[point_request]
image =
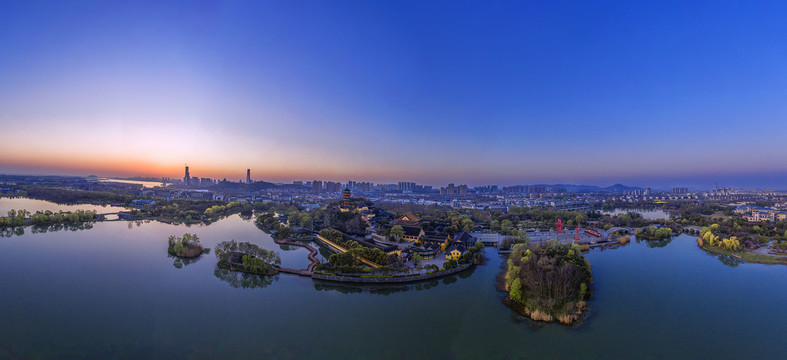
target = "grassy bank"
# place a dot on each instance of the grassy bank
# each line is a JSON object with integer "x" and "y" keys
{"x": 746, "y": 256}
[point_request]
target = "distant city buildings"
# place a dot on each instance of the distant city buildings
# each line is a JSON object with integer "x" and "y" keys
{"x": 187, "y": 178}
{"x": 333, "y": 187}
{"x": 680, "y": 190}
{"x": 406, "y": 186}
{"x": 489, "y": 189}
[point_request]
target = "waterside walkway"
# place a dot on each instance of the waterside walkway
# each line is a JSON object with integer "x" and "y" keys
{"x": 312, "y": 257}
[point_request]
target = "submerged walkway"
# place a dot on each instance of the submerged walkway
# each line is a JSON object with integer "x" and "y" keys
{"x": 312, "y": 257}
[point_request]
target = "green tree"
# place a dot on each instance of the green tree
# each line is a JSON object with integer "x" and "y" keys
{"x": 494, "y": 225}
{"x": 506, "y": 225}
{"x": 397, "y": 231}
{"x": 417, "y": 259}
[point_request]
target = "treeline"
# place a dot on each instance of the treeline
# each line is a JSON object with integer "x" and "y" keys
{"x": 268, "y": 222}
{"x": 220, "y": 210}
{"x": 188, "y": 210}
{"x": 708, "y": 237}
{"x": 348, "y": 222}
{"x": 64, "y": 196}
{"x": 42, "y": 218}
{"x": 654, "y": 233}
{"x": 750, "y": 234}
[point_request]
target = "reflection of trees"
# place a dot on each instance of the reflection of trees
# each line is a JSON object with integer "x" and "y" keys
{"x": 655, "y": 243}
{"x": 181, "y": 262}
{"x": 388, "y": 289}
{"x": 449, "y": 279}
{"x": 325, "y": 253}
{"x": 347, "y": 288}
{"x": 466, "y": 274}
{"x": 243, "y": 280}
{"x": 342, "y": 288}
{"x": 41, "y": 229}
{"x": 9, "y": 232}
{"x": 730, "y": 260}
{"x": 286, "y": 247}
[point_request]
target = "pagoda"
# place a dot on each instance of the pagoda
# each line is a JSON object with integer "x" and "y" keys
{"x": 346, "y": 204}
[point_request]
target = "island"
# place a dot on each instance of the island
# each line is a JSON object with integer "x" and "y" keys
{"x": 186, "y": 246}
{"x": 548, "y": 282}
{"x": 247, "y": 257}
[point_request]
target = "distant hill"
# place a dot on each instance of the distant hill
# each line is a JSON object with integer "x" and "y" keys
{"x": 592, "y": 188}
{"x": 242, "y": 187}
{"x": 621, "y": 188}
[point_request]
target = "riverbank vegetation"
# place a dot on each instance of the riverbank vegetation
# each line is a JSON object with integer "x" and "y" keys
{"x": 268, "y": 223}
{"x": 23, "y": 217}
{"x": 246, "y": 257}
{"x": 64, "y": 196}
{"x": 186, "y": 246}
{"x": 548, "y": 282}
{"x": 713, "y": 240}
{"x": 654, "y": 232}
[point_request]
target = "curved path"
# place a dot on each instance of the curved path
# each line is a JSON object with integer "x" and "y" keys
{"x": 312, "y": 257}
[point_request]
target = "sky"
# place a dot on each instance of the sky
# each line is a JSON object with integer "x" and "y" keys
{"x": 647, "y": 93}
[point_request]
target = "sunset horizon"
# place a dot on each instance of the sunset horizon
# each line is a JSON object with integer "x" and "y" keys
{"x": 541, "y": 93}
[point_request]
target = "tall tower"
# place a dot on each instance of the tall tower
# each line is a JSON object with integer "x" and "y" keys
{"x": 346, "y": 198}
{"x": 248, "y": 176}
{"x": 187, "y": 178}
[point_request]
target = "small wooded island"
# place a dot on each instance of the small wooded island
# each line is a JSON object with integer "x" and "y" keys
{"x": 548, "y": 282}
{"x": 186, "y": 246}
{"x": 246, "y": 257}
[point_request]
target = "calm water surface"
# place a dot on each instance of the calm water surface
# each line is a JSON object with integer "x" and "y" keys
{"x": 112, "y": 292}
{"x": 147, "y": 184}
{"x": 33, "y": 205}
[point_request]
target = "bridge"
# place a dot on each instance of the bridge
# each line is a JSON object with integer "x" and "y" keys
{"x": 312, "y": 256}
{"x": 622, "y": 230}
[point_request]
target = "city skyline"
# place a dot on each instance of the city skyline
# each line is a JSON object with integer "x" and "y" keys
{"x": 644, "y": 94}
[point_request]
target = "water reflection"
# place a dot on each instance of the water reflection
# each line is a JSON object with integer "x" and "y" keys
{"x": 181, "y": 262}
{"x": 730, "y": 260}
{"x": 244, "y": 280}
{"x": 656, "y": 243}
{"x": 388, "y": 289}
{"x": 41, "y": 229}
{"x": 9, "y": 232}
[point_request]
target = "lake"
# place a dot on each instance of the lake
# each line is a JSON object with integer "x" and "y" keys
{"x": 112, "y": 292}
{"x": 145, "y": 184}
{"x": 33, "y": 205}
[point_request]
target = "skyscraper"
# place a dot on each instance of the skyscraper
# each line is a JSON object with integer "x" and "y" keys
{"x": 316, "y": 186}
{"x": 248, "y": 176}
{"x": 187, "y": 178}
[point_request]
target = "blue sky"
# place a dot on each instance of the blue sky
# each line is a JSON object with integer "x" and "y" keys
{"x": 656, "y": 93}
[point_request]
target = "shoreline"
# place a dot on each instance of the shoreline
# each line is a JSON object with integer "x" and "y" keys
{"x": 747, "y": 256}
{"x": 537, "y": 315}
